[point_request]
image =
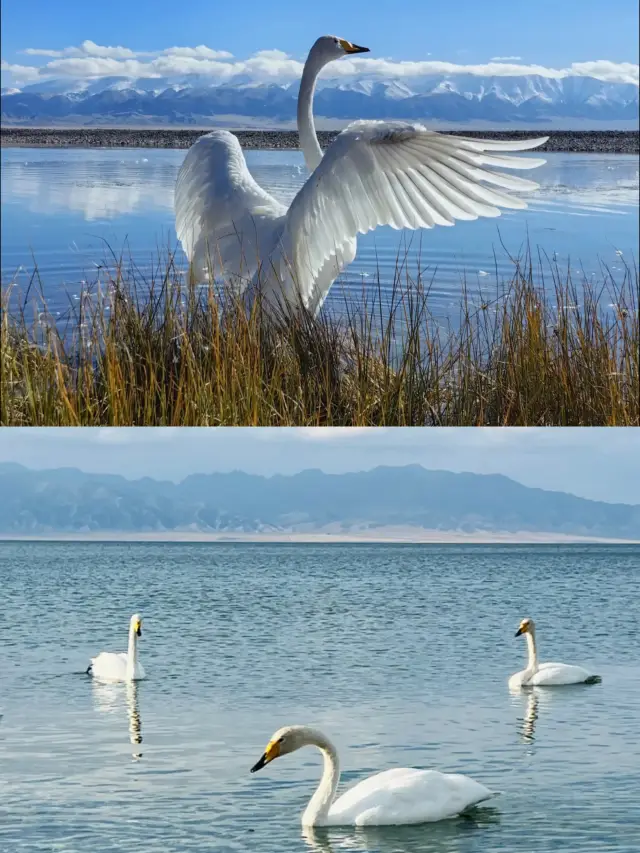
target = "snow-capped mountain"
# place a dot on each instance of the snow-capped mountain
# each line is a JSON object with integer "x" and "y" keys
{"x": 193, "y": 99}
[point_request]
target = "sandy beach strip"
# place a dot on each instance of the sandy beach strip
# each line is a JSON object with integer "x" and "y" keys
{"x": 596, "y": 141}
{"x": 382, "y": 535}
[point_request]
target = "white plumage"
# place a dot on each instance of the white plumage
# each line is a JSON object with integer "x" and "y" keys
{"x": 546, "y": 674}
{"x": 122, "y": 666}
{"x": 374, "y": 173}
{"x": 403, "y": 795}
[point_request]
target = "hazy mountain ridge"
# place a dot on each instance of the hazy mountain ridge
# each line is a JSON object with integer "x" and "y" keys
{"x": 455, "y": 98}
{"x": 67, "y": 500}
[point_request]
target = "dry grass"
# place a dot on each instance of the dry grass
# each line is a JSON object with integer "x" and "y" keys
{"x": 160, "y": 352}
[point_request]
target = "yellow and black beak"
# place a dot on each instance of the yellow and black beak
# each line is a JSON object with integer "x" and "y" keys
{"x": 521, "y": 630}
{"x": 518, "y": 632}
{"x": 272, "y": 751}
{"x": 260, "y": 763}
{"x": 139, "y": 629}
{"x": 349, "y": 47}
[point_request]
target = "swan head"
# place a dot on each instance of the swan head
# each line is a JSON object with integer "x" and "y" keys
{"x": 285, "y": 740}
{"x": 135, "y": 624}
{"x": 527, "y": 626}
{"x": 328, "y": 48}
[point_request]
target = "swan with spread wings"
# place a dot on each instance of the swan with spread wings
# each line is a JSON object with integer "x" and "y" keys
{"x": 374, "y": 173}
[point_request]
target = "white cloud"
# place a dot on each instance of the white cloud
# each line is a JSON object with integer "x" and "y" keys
{"x": 91, "y": 61}
{"x": 41, "y": 51}
{"x": 604, "y": 69}
{"x": 22, "y": 73}
{"x": 90, "y": 48}
{"x": 87, "y": 48}
{"x": 92, "y": 67}
{"x": 199, "y": 52}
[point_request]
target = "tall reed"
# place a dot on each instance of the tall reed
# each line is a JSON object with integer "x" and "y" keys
{"x": 155, "y": 350}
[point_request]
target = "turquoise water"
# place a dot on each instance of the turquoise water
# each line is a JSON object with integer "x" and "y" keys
{"x": 400, "y": 654}
{"x": 62, "y": 207}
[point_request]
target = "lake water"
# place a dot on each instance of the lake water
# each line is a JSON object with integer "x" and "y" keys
{"x": 62, "y": 206}
{"x": 400, "y": 654}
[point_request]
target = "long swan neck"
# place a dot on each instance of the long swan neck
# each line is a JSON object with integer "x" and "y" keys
{"x": 316, "y": 812}
{"x": 533, "y": 652}
{"x": 132, "y": 652}
{"x": 306, "y": 128}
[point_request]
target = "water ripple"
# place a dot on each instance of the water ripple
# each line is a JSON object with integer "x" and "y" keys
{"x": 400, "y": 653}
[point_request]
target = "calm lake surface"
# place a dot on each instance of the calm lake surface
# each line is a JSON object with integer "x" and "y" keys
{"x": 400, "y": 654}
{"x": 62, "y": 206}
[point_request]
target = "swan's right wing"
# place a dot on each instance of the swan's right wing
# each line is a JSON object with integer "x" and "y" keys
{"x": 224, "y": 219}
{"x": 398, "y": 174}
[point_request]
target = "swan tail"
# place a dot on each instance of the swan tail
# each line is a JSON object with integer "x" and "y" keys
{"x": 593, "y": 679}
{"x": 472, "y": 806}
{"x": 489, "y": 796}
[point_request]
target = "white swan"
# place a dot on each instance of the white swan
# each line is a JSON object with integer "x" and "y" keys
{"x": 399, "y": 796}
{"x": 546, "y": 674}
{"x": 374, "y": 173}
{"x": 125, "y": 666}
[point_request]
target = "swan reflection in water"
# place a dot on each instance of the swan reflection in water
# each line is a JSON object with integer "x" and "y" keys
{"x": 108, "y": 699}
{"x": 530, "y": 717}
{"x": 527, "y": 723}
{"x": 434, "y": 837}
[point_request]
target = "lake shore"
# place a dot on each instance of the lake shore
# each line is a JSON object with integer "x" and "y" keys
{"x": 381, "y": 535}
{"x": 593, "y": 141}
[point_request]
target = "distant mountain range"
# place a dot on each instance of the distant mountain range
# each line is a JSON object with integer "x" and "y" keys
{"x": 66, "y": 500}
{"x": 194, "y": 100}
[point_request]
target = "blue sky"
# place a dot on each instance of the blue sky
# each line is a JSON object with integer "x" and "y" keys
{"x": 552, "y": 33}
{"x": 601, "y": 464}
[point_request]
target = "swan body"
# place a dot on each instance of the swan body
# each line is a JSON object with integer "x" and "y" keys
{"x": 402, "y": 795}
{"x": 123, "y": 666}
{"x": 546, "y": 674}
{"x": 374, "y": 173}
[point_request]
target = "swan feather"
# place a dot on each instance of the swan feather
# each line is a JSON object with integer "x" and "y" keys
{"x": 406, "y": 796}
{"x": 374, "y": 173}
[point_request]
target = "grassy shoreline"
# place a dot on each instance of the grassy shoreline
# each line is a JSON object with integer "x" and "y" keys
{"x": 593, "y": 141}
{"x": 538, "y": 350}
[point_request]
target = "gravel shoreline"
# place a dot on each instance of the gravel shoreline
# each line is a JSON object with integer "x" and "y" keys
{"x": 608, "y": 141}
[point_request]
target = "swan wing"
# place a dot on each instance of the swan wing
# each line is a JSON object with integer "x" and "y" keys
{"x": 110, "y": 666}
{"x": 224, "y": 219}
{"x": 406, "y": 795}
{"x": 551, "y": 674}
{"x": 398, "y": 174}
{"x": 328, "y": 273}
{"x": 516, "y": 679}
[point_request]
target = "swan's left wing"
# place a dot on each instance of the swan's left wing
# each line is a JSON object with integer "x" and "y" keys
{"x": 398, "y": 174}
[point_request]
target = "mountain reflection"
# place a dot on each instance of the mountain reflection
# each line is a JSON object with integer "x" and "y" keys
{"x": 107, "y": 184}
{"x": 103, "y": 184}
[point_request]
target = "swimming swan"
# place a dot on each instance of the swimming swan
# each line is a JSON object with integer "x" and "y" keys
{"x": 546, "y": 674}
{"x": 110, "y": 666}
{"x": 374, "y": 173}
{"x": 399, "y": 796}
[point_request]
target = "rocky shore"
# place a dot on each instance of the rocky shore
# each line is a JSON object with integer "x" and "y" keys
{"x": 613, "y": 141}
